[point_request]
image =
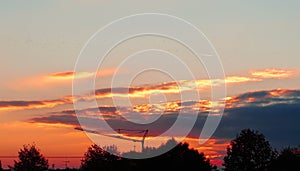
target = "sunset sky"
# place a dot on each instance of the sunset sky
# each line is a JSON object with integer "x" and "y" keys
{"x": 257, "y": 41}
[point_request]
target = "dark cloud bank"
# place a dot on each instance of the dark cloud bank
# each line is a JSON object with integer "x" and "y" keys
{"x": 275, "y": 113}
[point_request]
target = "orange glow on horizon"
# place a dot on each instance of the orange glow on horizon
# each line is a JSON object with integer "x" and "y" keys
{"x": 51, "y": 139}
{"x": 210, "y": 148}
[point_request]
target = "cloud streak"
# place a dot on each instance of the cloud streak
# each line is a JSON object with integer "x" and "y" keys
{"x": 68, "y": 75}
{"x": 191, "y": 85}
{"x": 22, "y": 105}
{"x": 58, "y": 78}
{"x": 141, "y": 92}
{"x": 272, "y": 73}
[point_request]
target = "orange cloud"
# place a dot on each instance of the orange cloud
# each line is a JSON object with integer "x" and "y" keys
{"x": 58, "y": 78}
{"x": 62, "y": 75}
{"x": 272, "y": 73}
{"x": 137, "y": 92}
{"x": 240, "y": 79}
{"x": 279, "y": 92}
{"x": 142, "y": 108}
{"x": 205, "y": 83}
{"x": 169, "y": 87}
{"x": 23, "y": 105}
{"x": 172, "y": 107}
{"x": 157, "y": 108}
{"x": 185, "y": 85}
{"x": 68, "y": 75}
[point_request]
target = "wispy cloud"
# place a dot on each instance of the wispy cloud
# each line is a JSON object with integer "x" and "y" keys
{"x": 169, "y": 87}
{"x": 22, "y": 105}
{"x": 186, "y": 85}
{"x": 68, "y": 75}
{"x": 272, "y": 73}
{"x": 143, "y": 91}
{"x": 58, "y": 78}
{"x": 240, "y": 79}
{"x": 66, "y": 119}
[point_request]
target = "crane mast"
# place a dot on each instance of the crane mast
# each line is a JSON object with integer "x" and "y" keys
{"x": 138, "y": 131}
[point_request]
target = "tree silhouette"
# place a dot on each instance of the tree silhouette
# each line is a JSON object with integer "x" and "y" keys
{"x": 249, "y": 151}
{"x": 287, "y": 160}
{"x": 30, "y": 159}
{"x": 96, "y": 158}
{"x": 180, "y": 157}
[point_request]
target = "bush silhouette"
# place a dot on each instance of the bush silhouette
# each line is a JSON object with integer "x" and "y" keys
{"x": 288, "y": 159}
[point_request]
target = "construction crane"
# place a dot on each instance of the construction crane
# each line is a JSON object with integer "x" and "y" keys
{"x": 137, "y": 131}
{"x": 142, "y": 141}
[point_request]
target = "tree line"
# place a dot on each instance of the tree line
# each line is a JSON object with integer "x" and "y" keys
{"x": 249, "y": 151}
